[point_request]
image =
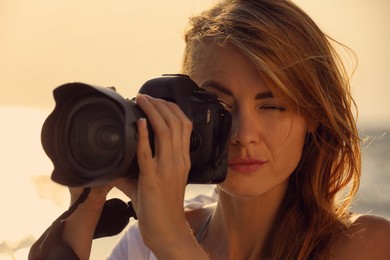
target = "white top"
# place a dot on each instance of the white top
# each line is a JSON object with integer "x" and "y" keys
{"x": 131, "y": 246}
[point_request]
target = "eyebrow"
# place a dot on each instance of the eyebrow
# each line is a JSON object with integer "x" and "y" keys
{"x": 222, "y": 89}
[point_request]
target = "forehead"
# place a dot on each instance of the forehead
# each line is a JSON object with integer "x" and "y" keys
{"x": 227, "y": 66}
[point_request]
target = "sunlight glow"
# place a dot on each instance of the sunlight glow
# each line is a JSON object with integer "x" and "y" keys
{"x": 29, "y": 199}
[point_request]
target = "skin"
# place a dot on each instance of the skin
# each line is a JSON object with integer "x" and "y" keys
{"x": 264, "y": 129}
{"x": 248, "y": 203}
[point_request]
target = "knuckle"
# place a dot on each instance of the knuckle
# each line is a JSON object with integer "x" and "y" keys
{"x": 187, "y": 163}
{"x": 183, "y": 169}
{"x": 186, "y": 126}
{"x": 171, "y": 104}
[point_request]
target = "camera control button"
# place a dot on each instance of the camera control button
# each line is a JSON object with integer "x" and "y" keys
{"x": 201, "y": 118}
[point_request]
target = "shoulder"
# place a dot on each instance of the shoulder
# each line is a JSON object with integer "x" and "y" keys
{"x": 368, "y": 238}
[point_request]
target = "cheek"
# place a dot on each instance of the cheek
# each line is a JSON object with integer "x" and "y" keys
{"x": 286, "y": 144}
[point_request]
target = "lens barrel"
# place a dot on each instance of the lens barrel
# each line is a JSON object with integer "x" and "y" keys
{"x": 95, "y": 138}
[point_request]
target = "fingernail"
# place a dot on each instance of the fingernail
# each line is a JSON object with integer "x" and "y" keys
{"x": 143, "y": 96}
{"x": 138, "y": 97}
{"x": 142, "y": 121}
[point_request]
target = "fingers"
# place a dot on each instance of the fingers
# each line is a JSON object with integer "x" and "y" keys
{"x": 144, "y": 152}
{"x": 185, "y": 126}
{"x": 163, "y": 174}
{"x": 171, "y": 126}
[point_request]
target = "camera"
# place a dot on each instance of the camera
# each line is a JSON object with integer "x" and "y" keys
{"x": 91, "y": 135}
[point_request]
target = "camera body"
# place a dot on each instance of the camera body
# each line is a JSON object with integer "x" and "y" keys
{"x": 91, "y": 135}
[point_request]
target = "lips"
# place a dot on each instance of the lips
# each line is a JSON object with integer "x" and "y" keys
{"x": 245, "y": 165}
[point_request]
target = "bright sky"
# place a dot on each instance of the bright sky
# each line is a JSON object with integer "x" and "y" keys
{"x": 124, "y": 43}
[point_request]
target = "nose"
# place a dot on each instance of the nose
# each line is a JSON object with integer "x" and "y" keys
{"x": 244, "y": 129}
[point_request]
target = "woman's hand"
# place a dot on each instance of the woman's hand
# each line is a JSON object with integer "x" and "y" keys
{"x": 158, "y": 194}
{"x": 81, "y": 224}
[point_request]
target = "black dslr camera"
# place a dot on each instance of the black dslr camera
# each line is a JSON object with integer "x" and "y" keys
{"x": 91, "y": 135}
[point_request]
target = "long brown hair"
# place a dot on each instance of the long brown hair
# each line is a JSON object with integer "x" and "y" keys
{"x": 302, "y": 66}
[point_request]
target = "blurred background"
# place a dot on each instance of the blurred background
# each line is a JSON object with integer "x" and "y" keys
{"x": 123, "y": 43}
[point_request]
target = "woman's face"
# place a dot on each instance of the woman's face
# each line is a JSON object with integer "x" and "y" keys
{"x": 267, "y": 136}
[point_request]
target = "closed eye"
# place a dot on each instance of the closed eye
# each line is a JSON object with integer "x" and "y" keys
{"x": 273, "y": 108}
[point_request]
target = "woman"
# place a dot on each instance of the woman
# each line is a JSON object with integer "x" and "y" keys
{"x": 294, "y": 154}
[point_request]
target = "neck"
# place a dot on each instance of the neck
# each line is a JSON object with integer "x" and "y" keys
{"x": 240, "y": 226}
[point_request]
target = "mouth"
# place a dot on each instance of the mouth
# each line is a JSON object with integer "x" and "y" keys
{"x": 245, "y": 166}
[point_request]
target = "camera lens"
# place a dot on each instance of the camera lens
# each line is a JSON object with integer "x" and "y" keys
{"x": 95, "y": 135}
{"x": 103, "y": 136}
